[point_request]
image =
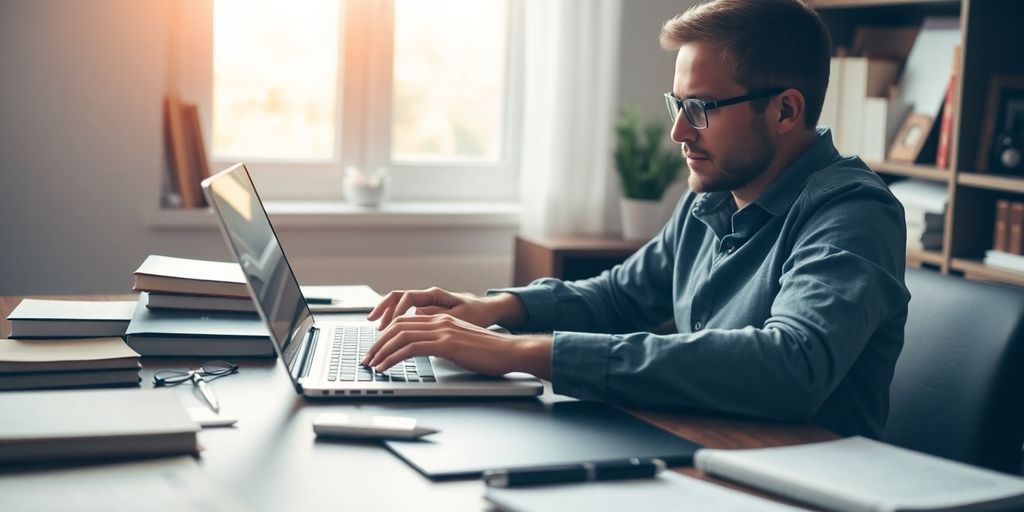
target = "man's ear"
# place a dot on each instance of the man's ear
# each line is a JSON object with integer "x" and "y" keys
{"x": 790, "y": 110}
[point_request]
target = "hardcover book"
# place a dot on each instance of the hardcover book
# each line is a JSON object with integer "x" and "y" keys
{"x": 39, "y": 318}
{"x": 189, "y": 276}
{"x": 90, "y": 424}
{"x": 157, "y": 332}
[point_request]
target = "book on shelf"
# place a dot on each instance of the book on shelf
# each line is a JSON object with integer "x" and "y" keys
{"x": 168, "y": 274}
{"x": 1015, "y": 228}
{"x": 41, "y": 318}
{"x": 857, "y": 474}
{"x": 67, "y": 363}
{"x": 924, "y": 81}
{"x": 1004, "y": 260}
{"x": 91, "y": 424}
{"x": 948, "y": 107}
{"x": 1001, "y": 237}
{"x": 173, "y": 484}
{"x": 186, "y": 151}
{"x": 863, "y": 78}
{"x": 183, "y": 333}
{"x": 924, "y": 206}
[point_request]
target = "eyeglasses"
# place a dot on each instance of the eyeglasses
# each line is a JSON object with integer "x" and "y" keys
{"x": 696, "y": 110}
{"x": 212, "y": 369}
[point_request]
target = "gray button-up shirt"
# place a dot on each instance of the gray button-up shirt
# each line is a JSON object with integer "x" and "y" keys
{"x": 792, "y": 308}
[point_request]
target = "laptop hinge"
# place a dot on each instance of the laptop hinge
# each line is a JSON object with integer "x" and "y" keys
{"x": 306, "y": 357}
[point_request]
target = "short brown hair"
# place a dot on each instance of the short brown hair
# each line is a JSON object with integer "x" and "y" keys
{"x": 770, "y": 43}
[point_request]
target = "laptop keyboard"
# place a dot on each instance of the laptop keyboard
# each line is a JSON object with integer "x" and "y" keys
{"x": 349, "y": 347}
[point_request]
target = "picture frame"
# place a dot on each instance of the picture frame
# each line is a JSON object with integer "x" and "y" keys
{"x": 910, "y": 138}
{"x": 1005, "y": 98}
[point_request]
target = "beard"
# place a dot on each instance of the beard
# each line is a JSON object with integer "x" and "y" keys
{"x": 737, "y": 169}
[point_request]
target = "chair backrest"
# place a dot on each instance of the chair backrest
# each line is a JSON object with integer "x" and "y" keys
{"x": 958, "y": 387}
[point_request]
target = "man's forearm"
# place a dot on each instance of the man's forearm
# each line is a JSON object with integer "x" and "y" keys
{"x": 533, "y": 355}
{"x": 508, "y": 310}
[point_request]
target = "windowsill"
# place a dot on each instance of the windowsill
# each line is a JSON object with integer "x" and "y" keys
{"x": 335, "y": 214}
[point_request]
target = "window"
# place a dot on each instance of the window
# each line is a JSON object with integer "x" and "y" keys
{"x": 429, "y": 89}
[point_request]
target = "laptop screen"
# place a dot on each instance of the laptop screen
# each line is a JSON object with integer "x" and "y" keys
{"x": 248, "y": 230}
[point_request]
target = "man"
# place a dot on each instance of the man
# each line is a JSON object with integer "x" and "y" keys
{"x": 782, "y": 267}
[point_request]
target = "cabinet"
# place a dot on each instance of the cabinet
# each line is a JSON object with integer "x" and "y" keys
{"x": 568, "y": 258}
{"x": 992, "y": 42}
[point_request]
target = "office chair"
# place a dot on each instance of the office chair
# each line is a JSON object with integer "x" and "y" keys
{"x": 958, "y": 388}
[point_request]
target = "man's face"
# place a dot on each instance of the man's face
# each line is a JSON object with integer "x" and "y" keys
{"x": 735, "y": 147}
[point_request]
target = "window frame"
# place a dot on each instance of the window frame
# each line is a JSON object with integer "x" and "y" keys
{"x": 363, "y": 134}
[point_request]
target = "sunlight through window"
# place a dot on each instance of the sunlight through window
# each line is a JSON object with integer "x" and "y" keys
{"x": 448, "y": 96}
{"x": 275, "y": 74}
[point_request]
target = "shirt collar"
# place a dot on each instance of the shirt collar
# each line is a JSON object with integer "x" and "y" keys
{"x": 715, "y": 209}
{"x": 779, "y": 196}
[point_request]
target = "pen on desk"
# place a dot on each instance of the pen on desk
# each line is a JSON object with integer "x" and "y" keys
{"x": 587, "y": 471}
{"x": 319, "y": 300}
{"x": 206, "y": 391}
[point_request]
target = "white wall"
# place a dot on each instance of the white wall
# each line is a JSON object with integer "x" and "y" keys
{"x": 81, "y": 154}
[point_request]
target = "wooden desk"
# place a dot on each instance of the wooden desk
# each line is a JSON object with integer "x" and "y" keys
{"x": 273, "y": 461}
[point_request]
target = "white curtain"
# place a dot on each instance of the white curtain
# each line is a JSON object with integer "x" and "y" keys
{"x": 571, "y": 63}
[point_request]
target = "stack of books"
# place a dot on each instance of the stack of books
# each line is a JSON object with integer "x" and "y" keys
{"x": 924, "y": 203}
{"x": 67, "y": 344}
{"x": 1008, "y": 241}
{"x": 203, "y": 285}
{"x": 183, "y": 283}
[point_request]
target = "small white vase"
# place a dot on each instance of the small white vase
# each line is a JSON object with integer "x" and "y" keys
{"x": 641, "y": 218}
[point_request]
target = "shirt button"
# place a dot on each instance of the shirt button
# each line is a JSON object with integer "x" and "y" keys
{"x": 697, "y": 326}
{"x": 730, "y": 248}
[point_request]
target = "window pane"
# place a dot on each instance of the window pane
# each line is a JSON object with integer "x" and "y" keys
{"x": 449, "y": 79}
{"x": 275, "y": 73}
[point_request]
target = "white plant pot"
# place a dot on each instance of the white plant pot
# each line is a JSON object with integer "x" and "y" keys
{"x": 641, "y": 218}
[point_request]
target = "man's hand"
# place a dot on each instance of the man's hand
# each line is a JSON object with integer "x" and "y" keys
{"x": 505, "y": 309}
{"x": 467, "y": 345}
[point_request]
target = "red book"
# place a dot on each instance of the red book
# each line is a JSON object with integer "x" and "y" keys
{"x": 1002, "y": 234}
{"x": 946, "y": 125}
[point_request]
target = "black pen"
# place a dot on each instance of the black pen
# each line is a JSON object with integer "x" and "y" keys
{"x": 318, "y": 300}
{"x": 585, "y": 472}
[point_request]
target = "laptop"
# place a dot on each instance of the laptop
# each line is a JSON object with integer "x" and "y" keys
{"x": 323, "y": 357}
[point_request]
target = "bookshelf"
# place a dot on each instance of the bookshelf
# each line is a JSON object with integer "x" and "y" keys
{"x": 991, "y": 38}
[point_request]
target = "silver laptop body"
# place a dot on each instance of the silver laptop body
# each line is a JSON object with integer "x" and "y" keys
{"x": 322, "y": 357}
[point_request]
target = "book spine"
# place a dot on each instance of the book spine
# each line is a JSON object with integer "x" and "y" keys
{"x": 1015, "y": 244}
{"x": 181, "y": 160}
{"x": 1001, "y": 236}
{"x": 942, "y": 154}
{"x": 200, "y": 166}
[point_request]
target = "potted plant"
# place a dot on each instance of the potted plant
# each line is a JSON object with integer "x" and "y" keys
{"x": 646, "y": 168}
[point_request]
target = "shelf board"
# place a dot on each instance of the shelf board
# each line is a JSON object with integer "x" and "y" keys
{"x": 975, "y": 269}
{"x": 840, "y": 4}
{"x": 924, "y": 172}
{"x": 916, "y": 257}
{"x": 991, "y": 182}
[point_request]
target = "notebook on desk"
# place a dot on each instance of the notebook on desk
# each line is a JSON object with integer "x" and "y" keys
{"x": 323, "y": 357}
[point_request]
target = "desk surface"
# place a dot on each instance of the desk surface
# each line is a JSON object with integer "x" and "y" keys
{"x": 274, "y": 462}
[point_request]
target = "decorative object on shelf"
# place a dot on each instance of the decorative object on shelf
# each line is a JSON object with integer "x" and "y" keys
{"x": 911, "y": 138}
{"x": 1001, "y": 148}
{"x": 646, "y": 168}
{"x": 366, "y": 188}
